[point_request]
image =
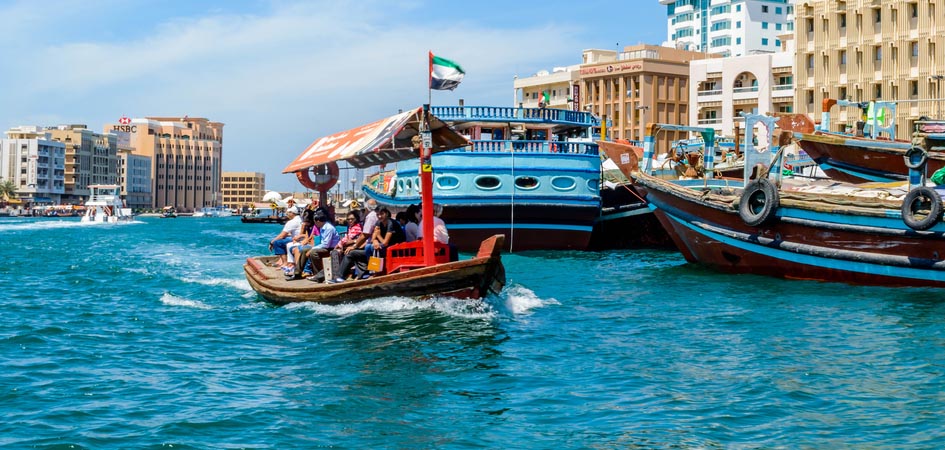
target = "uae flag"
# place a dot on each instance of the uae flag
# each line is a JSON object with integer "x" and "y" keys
{"x": 444, "y": 74}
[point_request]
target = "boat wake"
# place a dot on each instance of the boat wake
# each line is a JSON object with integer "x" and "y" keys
{"x": 173, "y": 300}
{"x": 518, "y": 300}
{"x": 465, "y": 309}
{"x": 51, "y": 225}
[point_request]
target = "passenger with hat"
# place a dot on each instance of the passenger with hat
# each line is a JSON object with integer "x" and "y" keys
{"x": 289, "y": 231}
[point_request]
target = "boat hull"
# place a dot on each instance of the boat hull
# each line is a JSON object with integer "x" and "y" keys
{"x": 856, "y": 160}
{"x": 557, "y": 212}
{"x": 468, "y": 279}
{"x": 805, "y": 241}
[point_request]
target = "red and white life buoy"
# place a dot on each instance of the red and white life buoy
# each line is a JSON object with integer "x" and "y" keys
{"x": 325, "y": 177}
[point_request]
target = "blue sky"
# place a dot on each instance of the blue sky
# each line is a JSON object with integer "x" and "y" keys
{"x": 281, "y": 73}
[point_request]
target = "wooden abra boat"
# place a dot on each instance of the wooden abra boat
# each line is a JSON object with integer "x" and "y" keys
{"x": 413, "y": 269}
{"x": 871, "y": 234}
{"x": 472, "y": 278}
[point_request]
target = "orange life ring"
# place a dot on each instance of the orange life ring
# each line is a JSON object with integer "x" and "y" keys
{"x": 325, "y": 177}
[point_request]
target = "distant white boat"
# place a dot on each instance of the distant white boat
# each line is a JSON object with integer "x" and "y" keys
{"x": 215, "y": 211}
{"x": 105, "y": 205}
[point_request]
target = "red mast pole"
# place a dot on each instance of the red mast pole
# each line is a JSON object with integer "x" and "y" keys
{"x": 426, "y": 187}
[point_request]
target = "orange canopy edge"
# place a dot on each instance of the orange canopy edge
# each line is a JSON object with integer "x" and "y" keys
{"x": 384, "y": 141}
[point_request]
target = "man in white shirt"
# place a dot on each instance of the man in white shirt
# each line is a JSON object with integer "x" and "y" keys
{"x": 289, "y": 230}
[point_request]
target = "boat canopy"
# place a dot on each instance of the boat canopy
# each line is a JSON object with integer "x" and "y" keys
{"x": 385, "y": 141}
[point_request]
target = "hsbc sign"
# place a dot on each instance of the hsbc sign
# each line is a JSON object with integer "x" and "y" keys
{"x": 125, "y": 125}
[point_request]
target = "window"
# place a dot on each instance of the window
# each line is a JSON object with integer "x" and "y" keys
{"x": 764, "y": 25}
{"x": 914, "y": 88}
{"x": 738, "y": 41}
{"x": 738, "y": 8}
{"x": 843, "y": 57}
{"x": 810, "y": 25}
{"x": 915, "y": 49}
{"x": 843, "y": 93}
{"x": 877, "y": 15}
{"x": 777, "y": 10}
{"x": 810, "y": 62}
{"x": 810, "y": 97}
{"x": 738, "y": 24}
{"x": 764, "y": 8}
{"x": 843, "y": 20}
{"x": 878, "y": 53}
{"x": 878, "y": 90}
{"x": 777, "y": 42}
{"x": 777, "y": 26}
{"x": 764, "y": 41}
{"x": 914, "y": 10}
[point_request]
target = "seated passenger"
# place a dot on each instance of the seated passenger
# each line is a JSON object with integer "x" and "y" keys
{"x": 387, "y": 232}
{"x": 289, "y": 230}
{"x": 329, "y": 239}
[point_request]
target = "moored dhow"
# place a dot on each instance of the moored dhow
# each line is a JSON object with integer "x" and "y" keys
{"x": 870, "y": 234}
{"x": 532, "y": 174}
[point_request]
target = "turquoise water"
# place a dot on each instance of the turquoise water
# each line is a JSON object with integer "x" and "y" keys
{"x": 146, "y": 335}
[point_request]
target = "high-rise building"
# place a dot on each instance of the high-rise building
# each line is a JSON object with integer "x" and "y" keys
{"x": 35, "y": 164}
{"x": 863, "y": 50}
{"x": 91, "y": 158}
{"x": 728, "y": 27}
{"x": 243, "y": 189}
{"x": 643, "y": 83}
{"x": 185, "y": 157}
{"x": 724, "y": 87}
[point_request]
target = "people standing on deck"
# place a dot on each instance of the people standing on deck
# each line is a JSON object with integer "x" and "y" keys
{"x": 289, "y": 230}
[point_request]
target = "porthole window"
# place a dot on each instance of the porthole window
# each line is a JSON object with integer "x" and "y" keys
{"x": 593, "y": 185}
{"x": 488, "y": 182}
{"x": 400, "y": 185}
{"x": 409, "y": 183}
{"x": 563, "y": 183}
{"x": 527, "y": 183}
{"x": 447, "y": 182}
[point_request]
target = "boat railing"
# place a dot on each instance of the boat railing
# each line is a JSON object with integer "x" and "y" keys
{"x": 103, "y": 198}
{"x": 513, "y": 114}
{"x": 542, "y": 146}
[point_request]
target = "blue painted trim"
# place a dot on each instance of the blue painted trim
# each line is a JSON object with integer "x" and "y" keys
{"x": 816, "y": 261}
{"x": 524, "y": 226}
{"x": 857, "y": 172}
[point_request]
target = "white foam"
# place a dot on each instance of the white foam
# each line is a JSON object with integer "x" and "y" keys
{"x": 173, "y": 300}
{"x": 467, "y": 309}
{"x": 51, "y": 224}
{"x": 521, "y": 300}
{"x": 238, "y": 283}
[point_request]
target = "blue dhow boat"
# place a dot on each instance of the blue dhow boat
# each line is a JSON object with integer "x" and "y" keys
{"x": 532, "y": 174}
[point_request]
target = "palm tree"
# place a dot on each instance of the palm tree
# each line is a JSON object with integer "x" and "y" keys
{"x": 7, "y": 189}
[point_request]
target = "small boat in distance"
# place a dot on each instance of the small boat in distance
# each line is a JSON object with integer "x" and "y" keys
{"x": 105, "y": 205}
{"x": 168, "y": 212}
{"x": 213, "y": 211}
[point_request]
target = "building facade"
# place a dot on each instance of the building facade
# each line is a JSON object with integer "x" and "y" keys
{"x": 243, "y": 189}
{"x": 864, "y": 50}
{"x": 728, "y": 27}
{"x": 186, "y": 158}
{"x": 722, "y": 88}
{"x": 35, "y": 164}
{"x": 557, "y": 86}
{"x": 644, "y": 83}
{"x": 134, "y": 176}
{"x": 91, "y": 158}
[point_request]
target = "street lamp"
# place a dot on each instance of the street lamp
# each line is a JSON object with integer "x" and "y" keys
{"x": 938, "y": 94}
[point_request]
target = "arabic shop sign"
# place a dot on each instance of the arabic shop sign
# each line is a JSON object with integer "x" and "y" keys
{"x": 611, "y": 68}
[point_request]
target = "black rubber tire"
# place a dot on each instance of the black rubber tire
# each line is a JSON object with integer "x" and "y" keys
{"x": 758, "y": 203}
{"x": 924, "y": 157}
{"x": 910, "y": 205}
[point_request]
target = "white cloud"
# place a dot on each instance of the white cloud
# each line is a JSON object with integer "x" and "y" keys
{"x": 278, "y": 79}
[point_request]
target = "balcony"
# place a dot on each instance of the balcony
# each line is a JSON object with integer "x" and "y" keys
{"x": 713, "y": 121}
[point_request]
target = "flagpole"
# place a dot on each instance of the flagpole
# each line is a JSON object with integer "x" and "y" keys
{"x": 426, "y": 175}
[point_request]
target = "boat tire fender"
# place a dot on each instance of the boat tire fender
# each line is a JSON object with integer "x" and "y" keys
{"x": 916, "y": 151}
{"x": 321, "y": 185}
{"x": 911, "y": 203}
{"x": 758, "y": 203}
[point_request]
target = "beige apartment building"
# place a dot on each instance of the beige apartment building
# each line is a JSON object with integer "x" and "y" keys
{"x": 863, "y": 50}
{"x": 91, "y": 158}
{"x": 643, "y": 83}
{"x": 242, "y": 189}
{"x": 185, "y": 158}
